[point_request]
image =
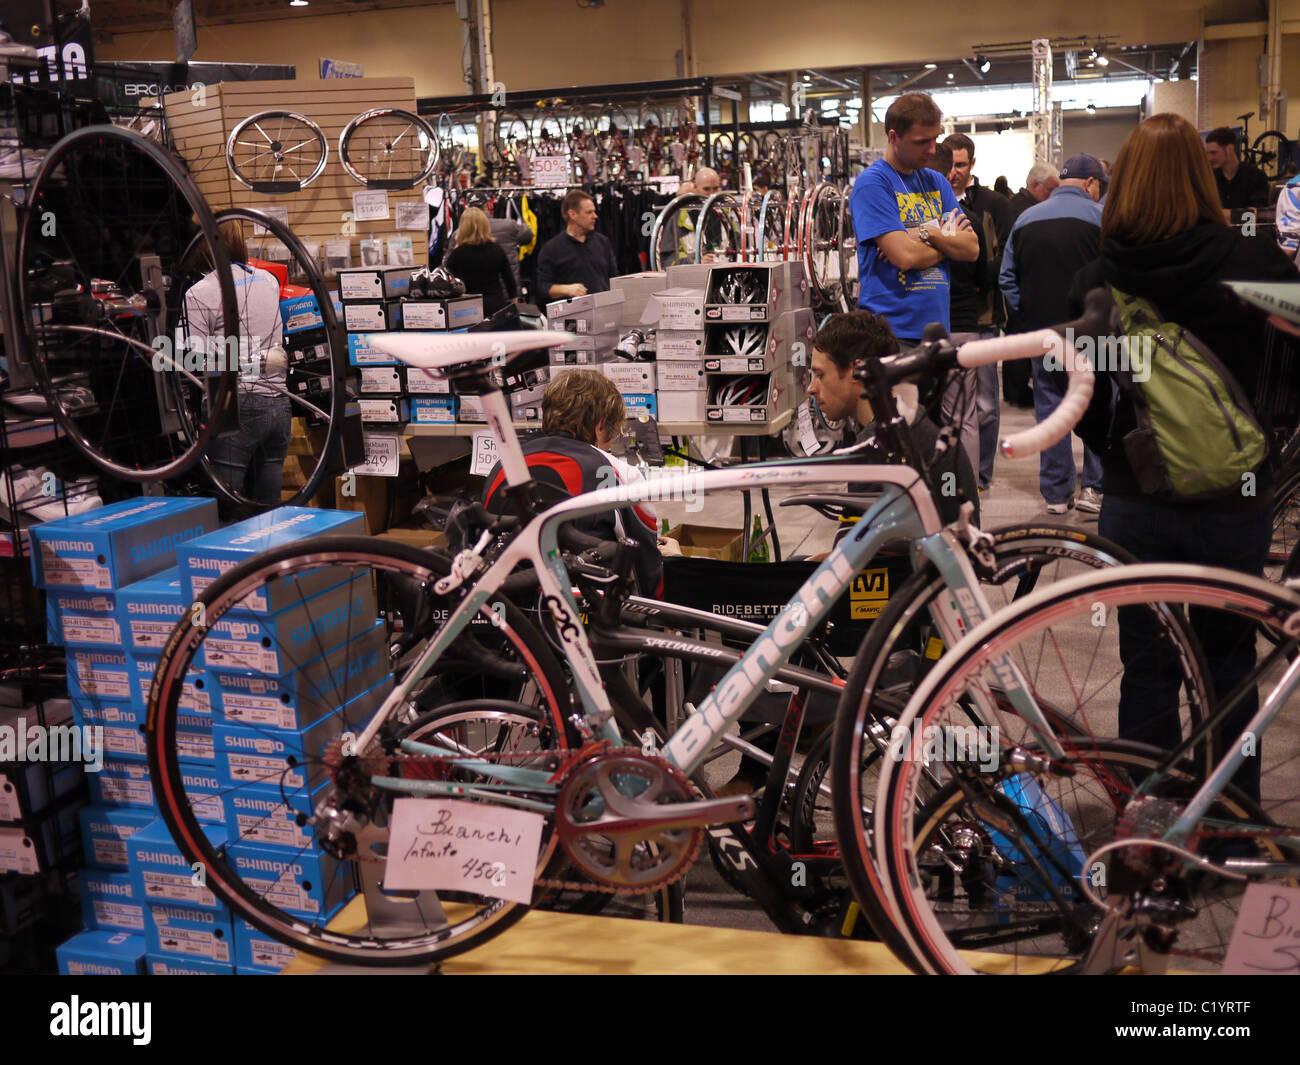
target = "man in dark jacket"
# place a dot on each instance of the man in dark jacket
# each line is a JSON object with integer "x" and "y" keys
{"x": 1039, "y": 183}
{"x": 1048, "y": 245}
{"x": 976, "y": 304}
{"x": 1241, "y": 185}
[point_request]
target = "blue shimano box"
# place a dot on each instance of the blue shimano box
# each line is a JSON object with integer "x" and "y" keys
{"x": 105, "y": 830}
{"x": 258, "y": 953}
{"x": 246, "y": 754}
{"x": 82, "y": 619}
{"x": 202, "y": 561}
{"x": 259, "y": 814}
{"x": 432, "y": 410}
{"x": 196, "y": 692}
{"x": 108, "y": 901}
{"x": 109, "y": 548}
{"x": 120, "y": 720}
{"x": 171, "y": 965}
{"x": 639, "y": 404}
{"x": 121, "y": 783}
{"x": 148, "y": 610}
{"x": 315, "y": 690}
{"x": 189, "y": 932}
{"x": 98, "y": 674}
{"x": 102, "y": 954}
{"x": 361, "y": 352}
{"x": 308, "y": 884}
{"x": 300, "y": 313}
{"x": 283, "y": 642}
{"x": 160, "y": 873}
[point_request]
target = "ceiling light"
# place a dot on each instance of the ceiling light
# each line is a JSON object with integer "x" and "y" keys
{"x": 1103, "y": 60}
{"x": 807, "y": 77}
{"x": 297, "y": 3}
{"x": 931, "y": 66}
{"x": 983, "y": 63}
{"x": 951, "y": 75}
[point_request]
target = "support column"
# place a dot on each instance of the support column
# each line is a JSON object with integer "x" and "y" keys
{"x": 867, "y": 92}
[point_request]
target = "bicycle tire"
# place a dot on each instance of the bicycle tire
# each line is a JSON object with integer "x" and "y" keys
{"x": 334, "y": 397}
{"x": 412, "y": 571}
{"x": 405, "y": 123}
{"x": 1015, "y": 548}
{"x": 1273, "y": 153}
{"x": 38, "y": 259}
{"x": 928, "y": 944}
{"x": 278, "y": 152}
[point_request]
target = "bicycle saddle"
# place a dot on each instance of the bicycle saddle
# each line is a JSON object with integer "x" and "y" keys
{"x": 442, "y": 351}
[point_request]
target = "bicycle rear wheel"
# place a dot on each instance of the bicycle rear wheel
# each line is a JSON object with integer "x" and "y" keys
{"x": 388, "y": 148}
{"x": 289, "y": 688}
{"x": 1023, "y": 841}
{"x": 108, "y": 220}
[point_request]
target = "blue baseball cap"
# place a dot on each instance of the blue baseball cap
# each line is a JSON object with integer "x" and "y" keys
{"x": 1083, "y": 166}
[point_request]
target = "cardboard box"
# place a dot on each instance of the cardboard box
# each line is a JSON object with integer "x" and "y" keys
{"x": 25, "y": 790}
{"x": 631, "y": 377}
{"x": 102, "y": 954}
{"x": 440, "y": 315}
{"x": 82, "y": 619}
{"x": 375, "y": 316}
{"x": 783, "y": 287}
{"x": 190, "y": 932}
{"x": 681, "y": 377}
{"x": 113, "y": 546}
{"x": 120, "y": 720}
{"x": 679, "y": 407}
{"x": 637, "y": 290}
{"x": 470, "y": 409}
{"x": 43, "y": 843}
{"x": 779, "y": 399}
{"x": 149, "y": 609}
{"x": 596, "y": 312}
{"x": 203, "y": 560}
{"x": 258, "y": 814}
{"x": 386, "y": 380}
{"x": 383, "y": 411}
{"x": 708, "y": 541}
{"x": 679, "y": 344}
{"x": 108, "y": 901}
{"x": 121, "y": 783}
{"x": 640, "y": 404}
{"x": 790, "y": 336}
{"x": 420, "y": 382}
{"x": 361, "y": 352}
{"x": 680, "y": 308}
{"x": 308, "y": 348}
{"x": 433, "y": 410}
{"x": 301, "y": 314}
{"x": 689, "y": 275}
{"x": 105, "y": 830}
{"x": 255, "y": 951}
{"x": 308, "y": 884}
{"x": 308, "y": 694}
{"x": 166, "y": 965}
{"x": 367, "y": 283}
{"x": 160, "y": 873}
{"x": 98, "y": 674}
{"x": 421, "y": 538}
{"x": 196, "y": 692}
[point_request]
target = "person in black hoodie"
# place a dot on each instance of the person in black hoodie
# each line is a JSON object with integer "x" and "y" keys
{"x": 1164, "y": 239}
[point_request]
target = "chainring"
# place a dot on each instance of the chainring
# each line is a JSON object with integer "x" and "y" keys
{"x": 606, "y": 815}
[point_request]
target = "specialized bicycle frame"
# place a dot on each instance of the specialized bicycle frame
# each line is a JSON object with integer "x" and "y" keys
{"x": 905, "y": 510}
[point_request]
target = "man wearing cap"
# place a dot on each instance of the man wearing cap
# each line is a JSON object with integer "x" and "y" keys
{"x": 1048, "y": 244}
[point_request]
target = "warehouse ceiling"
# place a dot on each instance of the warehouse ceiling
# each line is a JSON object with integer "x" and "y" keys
{"x": 129, "y": 16}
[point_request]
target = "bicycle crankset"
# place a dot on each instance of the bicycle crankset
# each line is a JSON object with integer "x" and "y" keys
{"x": 629, "y": 821}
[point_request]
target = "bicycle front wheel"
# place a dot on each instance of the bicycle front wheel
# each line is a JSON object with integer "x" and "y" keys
{"x": 298, "y": 648}
{"x": 1026, "y": 855}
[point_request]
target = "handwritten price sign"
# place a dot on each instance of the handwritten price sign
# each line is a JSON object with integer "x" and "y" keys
{"x": 1266, "y": 938}
{"x": 551, "y": 170}
{"x": 454, "y": 845}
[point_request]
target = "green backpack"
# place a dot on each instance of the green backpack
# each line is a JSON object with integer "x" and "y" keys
{"x": 1197, "y": 436}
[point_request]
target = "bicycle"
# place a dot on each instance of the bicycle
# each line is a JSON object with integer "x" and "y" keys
{"x": 625, "y": 818}
{"x": 1272, "y": 152}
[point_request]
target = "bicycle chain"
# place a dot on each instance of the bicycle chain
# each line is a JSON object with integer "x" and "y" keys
{"x": 569, "y": 759}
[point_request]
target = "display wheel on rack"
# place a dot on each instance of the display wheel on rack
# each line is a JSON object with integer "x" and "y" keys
{"x": 388, "y": 148}
{"x": 108, "y": 224}
{"x": 310, "y": 379}
{"x": 276, "y": 152}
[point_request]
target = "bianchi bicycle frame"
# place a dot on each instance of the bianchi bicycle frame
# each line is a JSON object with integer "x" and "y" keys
{"x": 905, "y": 510}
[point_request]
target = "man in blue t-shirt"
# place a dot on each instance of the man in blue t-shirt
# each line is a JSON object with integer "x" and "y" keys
{"x": 899, "y": 210}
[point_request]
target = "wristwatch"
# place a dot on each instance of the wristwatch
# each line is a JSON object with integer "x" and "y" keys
{"x": 924, "y": 235}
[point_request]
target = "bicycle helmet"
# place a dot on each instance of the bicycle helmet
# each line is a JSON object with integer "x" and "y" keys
{"x": 746, "y": 339}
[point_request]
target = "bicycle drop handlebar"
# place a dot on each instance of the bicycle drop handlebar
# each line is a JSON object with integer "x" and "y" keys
{"x": 1056, "y": 342}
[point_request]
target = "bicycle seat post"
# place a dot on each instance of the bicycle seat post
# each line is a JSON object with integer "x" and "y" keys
{"x": 520, "y": 487}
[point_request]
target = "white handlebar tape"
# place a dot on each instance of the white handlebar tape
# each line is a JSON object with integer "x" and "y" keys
{"x": 1060, "y": 353}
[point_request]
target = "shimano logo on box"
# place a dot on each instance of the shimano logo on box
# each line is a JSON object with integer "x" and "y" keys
{"x": 325, "y": 622}
{"x": 154, "y": 608}
{"x": 261, "y": 805}
{"x": 100, "y": 657}
{"x": 218, "y": 564}
{"x": 126, "y": 514}
{"x": 165, "y": 544}
{"x": 254, "y": 743}
{"x": 160, "y": 857}
{"x": 262, "y": 865}
{"x": 208, "y": 783}
{"x": 69, "y": 545}
{"x": 99, "y": 606}
{"x": 271, "y": 530}
{"x": 105, "y": 887}
{"x": 177, "y": 913}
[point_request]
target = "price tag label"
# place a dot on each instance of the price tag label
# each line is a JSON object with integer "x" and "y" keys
{"x": 370, "y": 205}
{"x": 453, "y": 845}
{"x": 382, "y": 456}
{"x": 279, "y": 213}
{"x": 413, "y": 216}
{"x": 485, "y": 454}
{"x": 551, "y": 170}
{"x": 804, "y": 425}
{"x": 1266, "y": 938}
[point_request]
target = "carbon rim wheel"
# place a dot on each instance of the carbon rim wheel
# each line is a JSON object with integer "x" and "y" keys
{"x": 276, "y": 152}
{"x": 314, "y": 383}
{"x": 388, "y": 148}
{"x": 390, "y": 609}
{"x": 109, "y": 216}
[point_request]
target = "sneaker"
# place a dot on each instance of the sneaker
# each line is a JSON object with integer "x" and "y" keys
{"x": 1061, "y": 508}
{"x": 1089, "y": 501}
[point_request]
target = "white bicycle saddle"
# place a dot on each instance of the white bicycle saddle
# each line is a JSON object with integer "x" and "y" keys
{"x": 442, "y": 351}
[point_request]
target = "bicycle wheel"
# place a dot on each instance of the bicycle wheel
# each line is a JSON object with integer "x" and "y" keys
{"x": 771, "y": 227}
{"x": 901, "y": 648}
{"x": 108, "y": 218}
{"x": 848, "y": 249}
{"x": 1025, "y": 844}
{"x": 388, "y": 148}
{"x": 276, "y": 152}
{"x": 313, "y": 382}
{"x": 325, "y": 664}
{"x": 718, "y": 228}
{"x": 672, "y": 237}
{"x": 1273, "y": 154}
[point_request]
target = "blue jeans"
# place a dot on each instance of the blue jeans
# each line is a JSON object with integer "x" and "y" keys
{"x": 1056, "y": 464}
{"x": 1149, "y": 689}
{"x": 252, "y": 460}
{"x": 989, "y": 408}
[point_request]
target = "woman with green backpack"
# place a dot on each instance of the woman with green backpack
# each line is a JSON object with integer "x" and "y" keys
{"x": 1184, "y": 461}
